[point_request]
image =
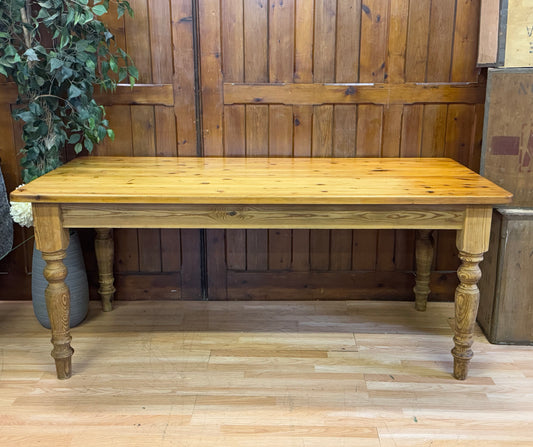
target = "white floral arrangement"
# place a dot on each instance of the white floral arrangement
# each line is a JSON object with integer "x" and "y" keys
{"x": 21, "y": 213}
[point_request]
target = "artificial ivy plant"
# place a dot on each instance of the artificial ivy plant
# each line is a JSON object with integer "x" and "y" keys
{"x": 57, "y": 52}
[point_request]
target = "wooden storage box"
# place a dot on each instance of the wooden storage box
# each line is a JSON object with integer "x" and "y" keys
{"x": 507, "y": 152}
{"x": 506, "y": 33}
{"x": 506, "y": 305}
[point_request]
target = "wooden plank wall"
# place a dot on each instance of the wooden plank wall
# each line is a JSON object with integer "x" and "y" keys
{"x": 274, "y": 78}
{"x": 287, "y": 78}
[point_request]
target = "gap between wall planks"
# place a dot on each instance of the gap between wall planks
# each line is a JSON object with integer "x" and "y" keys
{"x": 405, "y": 49}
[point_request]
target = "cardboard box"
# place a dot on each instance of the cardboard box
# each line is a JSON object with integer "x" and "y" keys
{"x": 507, "y": 149}
{"x": 506, "y": 286}
{"x": 519, "y": 34}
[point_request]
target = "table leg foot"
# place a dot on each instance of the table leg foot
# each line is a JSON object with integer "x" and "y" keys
{"x": 104, "y": 249}
{"x": 64, "y": 368}
{"x": 57, "y": 297}
{"x": 466, "y": 306}
{"x": 424, "y": 259}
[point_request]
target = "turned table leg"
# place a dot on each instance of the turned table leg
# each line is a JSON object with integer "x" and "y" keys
{"x": 52, "y": 239}
{"x": 104, "y": 257}
{"x": 466, "y": 306}
{"x": 57, "y": 297}
{"x": 472, "y": 242}
{"x": 424, "y": 258}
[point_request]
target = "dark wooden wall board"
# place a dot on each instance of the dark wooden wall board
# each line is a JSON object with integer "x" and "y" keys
{"x": 506, "y": 304}
{"x": 507, "y": 148}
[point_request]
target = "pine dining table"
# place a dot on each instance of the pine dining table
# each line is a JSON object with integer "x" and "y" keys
{"x": 104, "y": 193}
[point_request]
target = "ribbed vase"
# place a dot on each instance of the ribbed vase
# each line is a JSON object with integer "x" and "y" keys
{"x": 76, "y": 281}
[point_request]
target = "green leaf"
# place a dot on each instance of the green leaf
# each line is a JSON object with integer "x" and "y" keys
{"x": 70, "y": 16}
{"x": 74, "y": 92}
{"x": 55, "y": 63}
{"x": 99, "y": 10}
{"x": 74, "y": 138}
{"x": 78, "y": 148}
{"x": 133, "y": 71}
{"x": 31, "y": 55}
{"x": 113, "y": 64}
{"x": 88, "y": 144}
{"x": 65, "y": 39}
{"x": 111, "y": 134}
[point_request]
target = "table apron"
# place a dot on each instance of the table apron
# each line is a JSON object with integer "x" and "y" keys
{"x": 113, "y": 215}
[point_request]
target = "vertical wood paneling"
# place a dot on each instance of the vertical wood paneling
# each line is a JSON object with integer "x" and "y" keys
{"x": 440, "y": 40}
{"x": 281, "y": 40}
{"x": 257, "y": 124}
{"x": 232, "y": 41}
{"x": 392, "y": 130}
{"x": 459, "y": 132}
{"x": 303, "y": 44}
{"x": 465, "y": 41}
{"x": 303, "y": 115}
{"x": 344, "y": 131}
{"x": 321, "y": 41}
{"x": 324, "y": 54}
{"x": 397, "y": 46}
{"x": 417, "y": 41}
{"x": 396, "y": 119}
{"x": 143, "y": 132}
{"x": 345, "y": 116}
{"x": 280, "y": 138}
{"x": 373, "y": 51}
{"x": 210, "y": 60}
{"x": 165, "y": 122}
{"x": 347, "y": 40}
{"x": 234, "y": 146}
{"x": 211, "y": 77}
{"x": 234, "y": 116}
{"x": 281, "y": 69}
{"x": 186, "y": 136}
{"x": 118, "y": 116}
{"x": 322, "y": 140}
{"x": 162, "y": 73}
{"x": 322, "y": 131}
{"x": 183, "y": 78}
{"x": 256, "y": 40}
{"x": 434, "y": 130}
{"x": 372, "y": 68}
{"x": 411, "y": 130}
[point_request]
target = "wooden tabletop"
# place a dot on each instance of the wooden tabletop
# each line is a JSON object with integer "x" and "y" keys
{"x": 192, "y": 180}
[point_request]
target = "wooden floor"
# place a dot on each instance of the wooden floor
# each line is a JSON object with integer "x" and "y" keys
{"x": 259, "y": 374}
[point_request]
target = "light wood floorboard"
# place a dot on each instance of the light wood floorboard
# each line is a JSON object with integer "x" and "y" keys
{"x": 256, "y": 374}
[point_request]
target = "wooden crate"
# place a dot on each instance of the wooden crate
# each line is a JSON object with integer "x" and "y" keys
{"x": 507, "y": 151}
{"x": 506, "y": 305}
{"x": 505, "y": 33}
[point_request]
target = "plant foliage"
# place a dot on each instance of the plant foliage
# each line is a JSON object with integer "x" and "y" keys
{"x": 57, "y": 52}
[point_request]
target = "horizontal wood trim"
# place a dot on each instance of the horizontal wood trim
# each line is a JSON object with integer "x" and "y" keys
{"x": 334, "y": 285}
{"x": 140, "y": 94}
{"x": 130, "y": 287}
{"x": 384, "y": 94}
{"x": 265, "y": 216}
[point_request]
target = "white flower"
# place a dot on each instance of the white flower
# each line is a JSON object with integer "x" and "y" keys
{"x": 21, "y": 213}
